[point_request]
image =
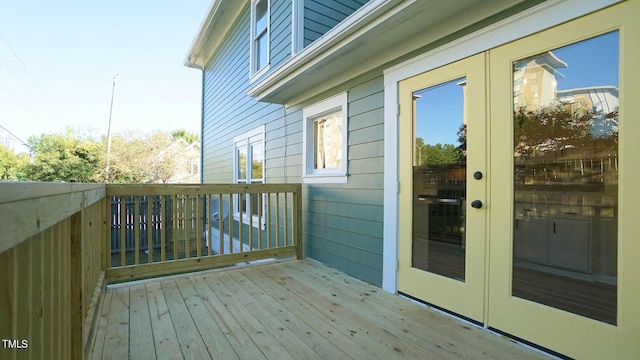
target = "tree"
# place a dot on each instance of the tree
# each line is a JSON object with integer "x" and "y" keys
{"x": 12, "y": 165}
{"x": 63, "y": 157}
{"x": 145, "y": 158}
{"x": 438, "y": 154}
{"x": 189, "y": 137}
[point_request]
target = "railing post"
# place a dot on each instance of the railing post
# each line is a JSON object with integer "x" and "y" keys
{"x": 76, "y": 285}
{"x": 297, "y": 223}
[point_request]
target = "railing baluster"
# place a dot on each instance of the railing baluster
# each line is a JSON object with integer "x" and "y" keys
{"x": 240, "y": 227}
{"x": 268, "y": 223}
{"x": 259, "y": 220}
{"x": 136, "y": 229}
{"x": 198, "y": 225}
{"x": 163, "y": 228}
{"x": 250, "y": 215}
{"x": 286, "y": 221}
{"x": 220, "y": 225}
{"x": 123, "y": 234}
{"x": 150, "y": 229}
{"x": 187, "y": 226}
{"x": 230, "y": 219}
{"x": 176, "y": 225}
{"x": 277, "y": 220}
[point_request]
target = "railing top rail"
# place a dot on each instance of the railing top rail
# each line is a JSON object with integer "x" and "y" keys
{"x": 28, "y": 208}
{"x": 195, "y": 189}
{"x": 24, "y": 190}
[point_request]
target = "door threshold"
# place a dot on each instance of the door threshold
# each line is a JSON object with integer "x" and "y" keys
{"x": 479, "y": 325}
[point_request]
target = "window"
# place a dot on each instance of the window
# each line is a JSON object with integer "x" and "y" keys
{"x": 259, "y": 36}
{"x": 248, "y": 150}
{"x": 297, "y": 26}
{"x": 325, "y": 136}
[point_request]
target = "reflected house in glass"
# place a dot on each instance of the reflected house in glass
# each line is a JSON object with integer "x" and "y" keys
{"x": 319, "y": 81}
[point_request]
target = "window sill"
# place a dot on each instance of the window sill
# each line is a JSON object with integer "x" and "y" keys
{"x": 325, "y": 179}
{"x": 255, "y": 76}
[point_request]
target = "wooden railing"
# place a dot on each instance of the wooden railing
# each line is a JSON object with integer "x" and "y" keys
{"x": 51, "y": 268}
{"x": 156, "y": 230}
{"x": 61, "y": 243}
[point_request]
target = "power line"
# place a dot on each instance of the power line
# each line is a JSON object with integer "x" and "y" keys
{"x": 16, "y": 137}
{"x": 30, "y": 75}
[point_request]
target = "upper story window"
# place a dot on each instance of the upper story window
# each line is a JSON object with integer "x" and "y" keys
{"x": 259, "y": 35}
{"x": 325, "y": 141}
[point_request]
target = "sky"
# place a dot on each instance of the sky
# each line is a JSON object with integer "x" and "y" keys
{"x": 58, "y": 60}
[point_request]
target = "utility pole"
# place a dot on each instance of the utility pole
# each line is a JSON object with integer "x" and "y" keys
{"x": 113, "y": 94}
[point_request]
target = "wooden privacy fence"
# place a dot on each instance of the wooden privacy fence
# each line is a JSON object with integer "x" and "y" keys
{"x": 51, "y": 268}
{"x": 156, "y": 230}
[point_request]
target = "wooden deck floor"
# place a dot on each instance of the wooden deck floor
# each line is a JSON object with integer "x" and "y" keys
{"x": 284, "y": 310}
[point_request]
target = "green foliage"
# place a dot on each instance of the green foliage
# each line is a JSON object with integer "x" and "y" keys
{"x": 12, "y": 165}
{"x": 189, "y": 137}
{"x": 63, "y": 157}
{"x": 438, "y": 154}
{"x": 564, "y": 126}
{"x": 71, "y": 157}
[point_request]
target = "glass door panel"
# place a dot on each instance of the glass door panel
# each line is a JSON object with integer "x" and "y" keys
{"x": 563, "y": 188}
{"x": 566, "y": 115}
{"x": 442, "y": 238}
{"x": 439, "y": 179}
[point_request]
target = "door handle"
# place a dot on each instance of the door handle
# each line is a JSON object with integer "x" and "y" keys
{"x": 476, "y": 204}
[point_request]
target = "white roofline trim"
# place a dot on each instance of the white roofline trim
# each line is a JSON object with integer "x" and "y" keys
{"x": 368, "y": 16}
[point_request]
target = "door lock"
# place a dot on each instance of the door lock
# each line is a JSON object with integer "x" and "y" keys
{"x": 476, "y": 204}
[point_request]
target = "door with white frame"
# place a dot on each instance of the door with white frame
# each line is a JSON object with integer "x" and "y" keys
{"x": 518, "y": 202}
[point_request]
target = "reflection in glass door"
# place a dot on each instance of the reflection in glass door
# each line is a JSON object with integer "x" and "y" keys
{"x": 439, "y": 179}
{"x": 566, "y": 178}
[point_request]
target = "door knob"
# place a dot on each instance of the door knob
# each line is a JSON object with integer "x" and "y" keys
{"x": 477, "y": 175}
{"x": 476, "y": 204}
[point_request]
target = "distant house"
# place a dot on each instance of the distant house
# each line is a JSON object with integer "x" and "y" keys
{"x": 529, "y": 229}
{"x": 186, "y": 158}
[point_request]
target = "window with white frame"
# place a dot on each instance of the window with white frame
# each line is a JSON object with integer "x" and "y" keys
{"x": 260, "y": 35}
{"x": 248, "y": 161}
{"x": 325, "y": 141}
{"x": 297, "y": 26}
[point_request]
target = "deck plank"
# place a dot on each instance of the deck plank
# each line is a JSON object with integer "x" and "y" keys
{"x": 283, "y": 310}
{"x": 298, "y": 348}
{"x": 454, "y": 334}
{"x": 214, "y": 338}
{"x": 101, "y": 329}
{"x": 241, "y": 342}
{"x": 191, "y": 342}
{"x": 141, "y": 336}
{"x": 306, "y": 327}
{"x": 268, "y": 344}
{"x": 165, "y": 338}
{"x": 328, "y": 325}
{"x": 116, "y": 344}
{"x": 367, "y": 322}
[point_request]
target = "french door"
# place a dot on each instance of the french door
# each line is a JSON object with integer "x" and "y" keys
{"x": 518, "y": 186}
{"x": 442, "y": 219}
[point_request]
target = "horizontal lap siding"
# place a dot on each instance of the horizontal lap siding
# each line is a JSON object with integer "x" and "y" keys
{"x": 227, "y": 110}
{"x": 342, "y": 223}
{"x": 280, "y": 32}
{"x": 321, "y": 16}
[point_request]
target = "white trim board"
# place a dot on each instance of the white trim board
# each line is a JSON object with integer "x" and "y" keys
{"x": 537, "y": 18}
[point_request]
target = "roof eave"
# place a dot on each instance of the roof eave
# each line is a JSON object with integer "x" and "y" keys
{"x": 213, "y": 29}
